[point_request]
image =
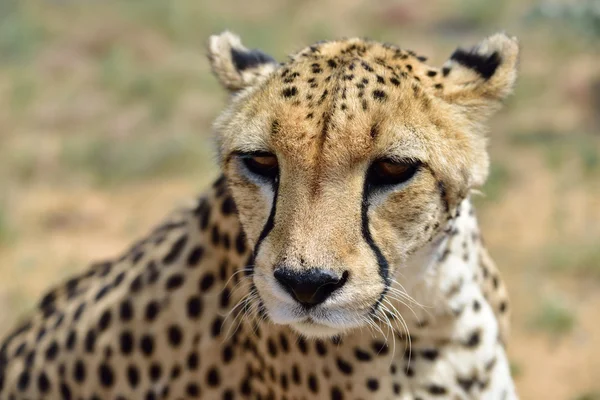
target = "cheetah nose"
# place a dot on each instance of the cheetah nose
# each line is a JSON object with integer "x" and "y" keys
{"x": 310, "y": 287}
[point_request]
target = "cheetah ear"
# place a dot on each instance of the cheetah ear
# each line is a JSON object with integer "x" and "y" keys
{"x": 479, "y": 79}
{"x": 234, "y": 65}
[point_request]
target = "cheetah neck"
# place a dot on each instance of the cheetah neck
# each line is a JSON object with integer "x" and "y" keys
{"x": 434, "y": 274}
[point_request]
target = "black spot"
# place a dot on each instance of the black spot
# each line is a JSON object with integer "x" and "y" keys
{"x": 503, "y": 307}
{"x": 192, "y": 390}
{"x": 228, "y": 206}
{"x": 106, "y": 375}
{"x": 126, "y": 342}
{"x": 215, "y": 237}
{"x": 336, "y": 393}
{"x": 430, "y": 354}
{"x": 175, "y": 250}
{"x": 362, "y": 355}
{"x": 225, "y": 298}
{"x": 244, "y": 59}
{"x": 126, "y": 310}
{"x": 240, "y": 242}
{"x": 175, "y": 372}
{"x": 195, "y": 256}
{"x": 289, "y": 91}
{"x": 380, "y": 79}
{"x": 133, "y": 376}
{"x": 194, "y": 307}
{"x": 104, "y": 321}
{"x": 71, "y": 340}
{"x": 446, "y": 71}
{"x": 79, "y": 371}
{"x": 465, "y": 384}
{"x": 431, "y": 73}
{"x": 175, "y": 335}
{"x": 212, "y": 377}
{"x": 90, "y": 341}
{"x": 30, "y": 359}
{"x": 379, "y": 95}
{"x": 484, "y": 65}
{"x": 65, "y": 391}
{"x": 52, "y": 351}
{"x": 437, "y": 390}
{"x": 321, "y": 348}
{"x": 227, "y": 354}
{"x": 23, "y": 381}
{"x": 102, "y": 292}
{"x": 474, "y": 339}
{"x": 344, "y": 366}
{"x": 313, "y": 384}
{"x": 103, "y": 268}
{"x": 48, "y": 300}
{"x": 395, "y": 81}
{"x": 283, "y": 342}
{"x": 216, "y": 327}
{"x": 296, "y": 374}
{"x": 380, "y": 348}
{"x": 136, "y": 284}
{"x": 272, "y": 348}
{"x": 174, "y": 282}
{"x": 332, "y": 63}
{"x": 206, "y": 282}
{"x": 366, "y": 66}
{"x": 147, "y": 345}
{"x": 155, "y": 372}
{"x": 372, "y": 384}
{"x": 203, "y": 213}
{"x": 302, "y": 345}
{"x": 152, "y": 310}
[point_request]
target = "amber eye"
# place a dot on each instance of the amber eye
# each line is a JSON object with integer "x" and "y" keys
{"x": 389, "y": 172}
{"x": 261, "y": 164}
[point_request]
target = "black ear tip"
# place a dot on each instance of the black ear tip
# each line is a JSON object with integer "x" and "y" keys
{"x": 244, "y": 59}
{"x": 484, "y": 64}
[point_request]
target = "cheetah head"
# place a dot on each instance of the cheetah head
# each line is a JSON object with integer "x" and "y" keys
{"x": 345, "y": 161}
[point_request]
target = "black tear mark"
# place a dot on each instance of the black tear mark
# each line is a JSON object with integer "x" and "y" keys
{"x": 484, "y": 65}
{"x": 243, "y": 60}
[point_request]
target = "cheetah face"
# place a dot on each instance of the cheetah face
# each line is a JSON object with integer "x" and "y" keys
{"x": 345, "y": 161}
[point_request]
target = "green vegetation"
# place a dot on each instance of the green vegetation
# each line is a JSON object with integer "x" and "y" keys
{"x": 109, "y": 161}
{"x": 589, "y": 396}
{"x": 558, "y": 148}
{"x": 554, "y": 317}
{"x": 579, "y": 259}
{"x": 6, "y": 231}
{"x": 516, "y": 370}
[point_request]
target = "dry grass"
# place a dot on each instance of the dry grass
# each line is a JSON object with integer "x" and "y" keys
{"x": 105, "y": 109}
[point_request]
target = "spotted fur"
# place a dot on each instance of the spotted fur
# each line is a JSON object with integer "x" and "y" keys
{"x": 193, "y": 310}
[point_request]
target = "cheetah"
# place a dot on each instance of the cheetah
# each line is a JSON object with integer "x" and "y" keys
{"x": 337, "y": 257}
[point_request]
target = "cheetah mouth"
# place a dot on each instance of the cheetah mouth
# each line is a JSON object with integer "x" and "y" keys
{"x": 320, "y": 322}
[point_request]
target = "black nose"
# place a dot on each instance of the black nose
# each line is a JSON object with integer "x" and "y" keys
{"x": 310, "y": 287}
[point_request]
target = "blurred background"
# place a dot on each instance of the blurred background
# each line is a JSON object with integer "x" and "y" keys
{"x": 105, "y": 112}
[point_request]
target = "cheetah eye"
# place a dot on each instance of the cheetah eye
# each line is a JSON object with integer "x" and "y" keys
{"x": 389, "y": 172}
{"x": 261, "y": 164}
